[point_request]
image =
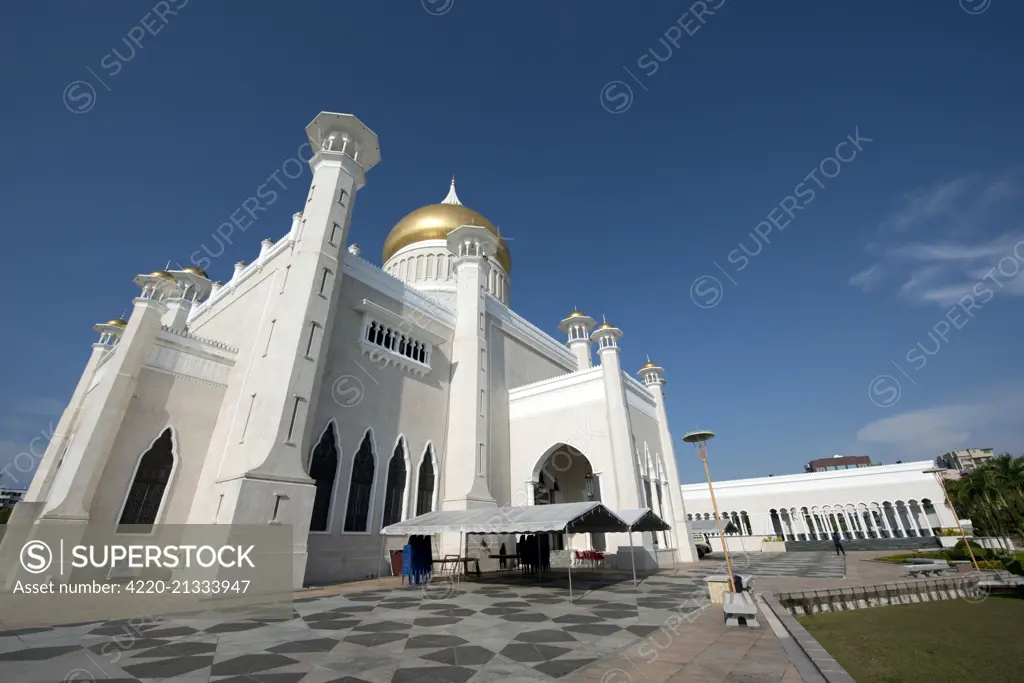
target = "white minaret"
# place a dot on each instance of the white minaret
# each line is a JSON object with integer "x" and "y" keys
{"x": 620, "y": 433}
{"x": 259, "y": 467}
{"x": 683, "y": 539}
{"x": 73, "y": 487}
{"x": 466, "y": 460}
{"x": 578, "y": 326}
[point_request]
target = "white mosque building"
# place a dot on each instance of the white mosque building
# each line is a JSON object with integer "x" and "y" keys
{"x": 317, "y": 390}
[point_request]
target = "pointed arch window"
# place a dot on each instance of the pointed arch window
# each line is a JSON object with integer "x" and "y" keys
{"x": 394, "y": 493}
{"x": 361, "y": 488}
{"x": 147, "y": 490}
{"x": 323, "y": 469}
{"x": 425, "y": 484}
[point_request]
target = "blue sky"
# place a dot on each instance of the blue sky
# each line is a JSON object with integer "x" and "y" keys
{"x": 626, "y": 179}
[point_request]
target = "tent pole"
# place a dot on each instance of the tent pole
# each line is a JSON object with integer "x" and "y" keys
{"x": 570, "y": 581}
{"x": 383, "y": 546}
{"x": 632, "y": 555}
{"x": 540, "y": 572}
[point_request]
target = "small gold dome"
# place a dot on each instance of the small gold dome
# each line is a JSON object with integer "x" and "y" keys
{"x": 647, "y": 365}
{"x": 196, "y": 270}
{"x": 162, "y": 274}
{"x": 117, "y": 322}
{"x": 434, "y": 222}
{"x": 605, "y": 326}
{"x": 241, "y": 263}
{"x": 577, "y": 313}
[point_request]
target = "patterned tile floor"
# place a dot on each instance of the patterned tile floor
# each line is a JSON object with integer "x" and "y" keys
{"x": 510, "y": 628}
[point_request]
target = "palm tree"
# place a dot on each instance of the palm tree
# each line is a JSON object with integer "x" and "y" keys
{"x": 1007, "y": 474}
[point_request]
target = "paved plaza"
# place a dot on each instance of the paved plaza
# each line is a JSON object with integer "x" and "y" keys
{"x": 506, "y": 627}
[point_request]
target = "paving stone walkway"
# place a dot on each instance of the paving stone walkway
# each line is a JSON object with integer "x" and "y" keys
{"x": 507, "y": 628}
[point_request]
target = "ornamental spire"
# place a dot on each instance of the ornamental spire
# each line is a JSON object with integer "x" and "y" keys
{"x": 452, "y": 198}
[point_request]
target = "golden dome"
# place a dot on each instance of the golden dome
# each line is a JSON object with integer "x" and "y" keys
{"x": 162, "y": 274}
{"x": 435, "y": 221}
{"x": 576, "y": 313}
{"x": 196, "y": 270}
{"x": 117, "y": 322}
{"x": 647, "y": 365}
{"x": 605, "y": 326}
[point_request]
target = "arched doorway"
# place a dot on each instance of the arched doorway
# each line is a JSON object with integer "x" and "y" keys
{"x": 564, "y": 475}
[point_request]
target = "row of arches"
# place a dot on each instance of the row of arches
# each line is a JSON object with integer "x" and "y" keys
{"x": 740, "y": 520}
{"x": 324, "y": 469}
{"x": 150, "y": 482}
{"x": 888, "y": 519}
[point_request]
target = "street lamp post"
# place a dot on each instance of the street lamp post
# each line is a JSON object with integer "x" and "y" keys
{"x": 945, "y": 497}
{"x": 699, "y": 438}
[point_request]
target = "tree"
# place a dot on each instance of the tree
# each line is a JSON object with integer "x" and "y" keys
{"x": 992, "y": 496}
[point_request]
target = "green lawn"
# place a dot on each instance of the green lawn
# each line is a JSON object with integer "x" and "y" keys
{"x": 948, "y": 641}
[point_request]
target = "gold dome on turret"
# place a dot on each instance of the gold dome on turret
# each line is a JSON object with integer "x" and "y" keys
{"x": 648, "y": 365}
{"x": 196, "y": 270}
{"x": 576, "y": 313}
{"x": 605, "y": 326}
{"x": 117, "y": 322}
{"x": 162, "y": 274}
{"x": 435, "y": 221}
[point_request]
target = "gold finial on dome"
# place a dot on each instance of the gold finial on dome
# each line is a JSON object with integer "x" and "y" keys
{"x": 435, "y": 221}
{"x": 162, "y": 274}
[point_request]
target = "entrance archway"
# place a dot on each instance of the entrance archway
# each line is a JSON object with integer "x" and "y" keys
{"x": 563, "y": 474}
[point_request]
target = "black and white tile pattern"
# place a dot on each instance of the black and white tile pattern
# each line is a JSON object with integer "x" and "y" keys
{"x": 512, "y": 628}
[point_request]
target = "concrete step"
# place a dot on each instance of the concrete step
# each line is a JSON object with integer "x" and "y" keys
{"x": 922, "y": 543}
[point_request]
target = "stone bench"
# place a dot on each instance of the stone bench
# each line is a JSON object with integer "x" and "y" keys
{"x": 737, "y": 606}
{"x": 718, "y": 586}
{"x": 922, "y": 569}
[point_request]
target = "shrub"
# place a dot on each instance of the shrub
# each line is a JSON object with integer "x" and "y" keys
{"x": 949, "y": 532}
{"x": 1012, "y": 565}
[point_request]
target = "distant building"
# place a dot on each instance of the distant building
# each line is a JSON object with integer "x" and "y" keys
{"x": 838, "y": 462}
{"x": 965, "y": 460}
{"x": 8, "y": 497}
{"x": 902, "y": 500}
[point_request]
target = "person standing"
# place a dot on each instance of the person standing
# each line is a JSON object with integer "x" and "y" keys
{"x": 838, "y": 540}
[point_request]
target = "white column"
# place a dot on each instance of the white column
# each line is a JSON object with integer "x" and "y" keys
{"x": 685, "y": 550}
{"x": 71, "y": 495}
{"x": 922, "y": 520}
{"x": 850, "y": 522}
{"x": 899, "y": 522}
{"x": 467, "y": 462}
{"x": 869, "y": 522}
{"x": 65, "y": 426}
{"x": 885, "y": 519}
{"x": 819, "y": 521}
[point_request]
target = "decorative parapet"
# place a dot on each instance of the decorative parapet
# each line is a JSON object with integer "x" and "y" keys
{"x": 552, "y": 380}
{"x": 202, "y": 340}
{"x": 256, "y": 266}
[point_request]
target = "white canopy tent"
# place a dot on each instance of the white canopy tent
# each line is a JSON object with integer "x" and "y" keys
{"x": 640, "y": 519}
{"x": 571, "y": 518}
